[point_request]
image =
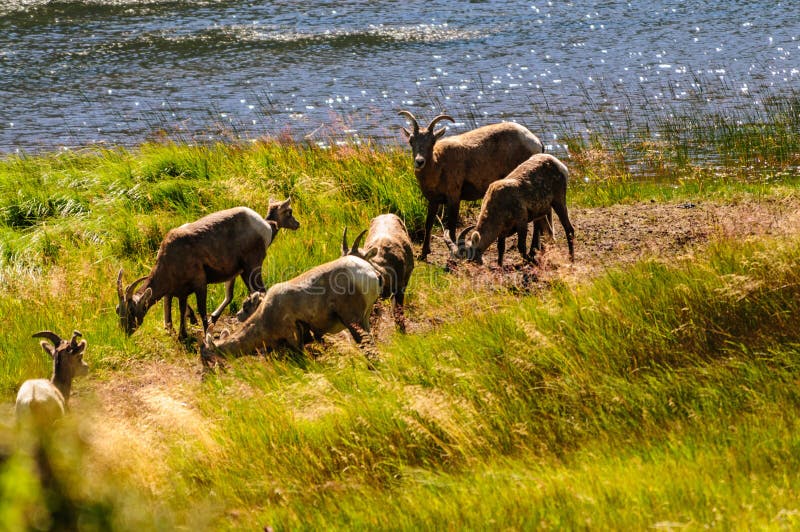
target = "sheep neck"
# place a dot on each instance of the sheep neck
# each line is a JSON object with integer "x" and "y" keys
{"x": 61, "y": 379}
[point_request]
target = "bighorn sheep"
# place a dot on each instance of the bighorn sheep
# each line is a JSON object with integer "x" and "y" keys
{"x": 460, "y": 168}
{"x": 528, "y": 193}
{"x": 43, "y": 401}
{"x": 394, "y": 259}
{"x": 214, "y": 249}
{"x": 326, "y": 299}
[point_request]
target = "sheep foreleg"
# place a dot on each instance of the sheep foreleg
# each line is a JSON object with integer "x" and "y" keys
{"x": 433, "y": 209}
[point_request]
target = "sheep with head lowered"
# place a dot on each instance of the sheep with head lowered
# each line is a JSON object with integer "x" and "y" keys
{"x": 528, "y": 193}
{"x": 328, "y": 298}
{"x": 394, "y": 258}
{"x": 460, "y": 168}
{"x": 42, "y": 401}
{"x": 214, "y": 249}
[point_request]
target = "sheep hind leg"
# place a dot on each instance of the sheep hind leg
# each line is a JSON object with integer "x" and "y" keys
{"x": 225, "y": 302}
{"x": 522, "y": 240}
{"x": 182, "y": 304}
{"x": 201, "y": 296}
{"x": 561, "y": 211}
{"x": 362, "y": 336}
{"x": 399, "y": 314}
{"x": 168, "y": 313}
{"x": 501, "y": 250}
{"x": 536, "y": 240}
{"x": 190, "y": 315}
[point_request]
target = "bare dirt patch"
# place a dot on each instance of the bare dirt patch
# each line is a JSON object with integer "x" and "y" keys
{"x": 623, "y": 234}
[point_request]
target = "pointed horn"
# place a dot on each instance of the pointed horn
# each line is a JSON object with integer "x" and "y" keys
{"x": 119, "y": 286}
{"x": 357, "y": 241}
{"x": 344, "y": 243}
{"x": 450, "y": 244}
{"x": 454, "y": 248}
{"x": 438, "y": 118}
{"x": 132, "y": 286}
{"x": 50, "y": 335}
{"x": 75, "y": 336}
{"x": 408, "y": 115}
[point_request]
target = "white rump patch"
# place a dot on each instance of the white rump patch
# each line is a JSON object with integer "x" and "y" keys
{"x": 260, "y": 225}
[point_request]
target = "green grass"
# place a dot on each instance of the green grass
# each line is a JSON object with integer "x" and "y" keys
{"x": 654, "y": 394}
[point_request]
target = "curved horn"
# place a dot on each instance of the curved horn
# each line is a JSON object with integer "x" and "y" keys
{"x": 450, "y": 244}
{"x": 357, "y": 242}
{"x": 438, "y": 118}
{"x": 344, "y": 242}
{"x": 132, "y": 286}
{"x": 408, "y": 115}
{"x": 463, "y": 234}
{"x": 75, "y": 336}
{"x": 50, "y": 335}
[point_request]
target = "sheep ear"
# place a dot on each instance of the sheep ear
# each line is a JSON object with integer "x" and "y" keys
{"x": 406, "y": 132}
{"x": 439, "y": 132}
{"x": 80, "y": 348}
{"x": 370, "y": 253}
{"x": 48, "y": 348}
{"x": 345, "y": 247}
{"x": 209, "y": 340}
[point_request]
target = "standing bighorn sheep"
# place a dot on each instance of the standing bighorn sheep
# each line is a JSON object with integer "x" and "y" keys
{"x": 394, "y": 258}
{"x": 528, "y": 193}
{"x": 460, "y": 168}
{"x": 42, "y": 401}
{"x": 326, "y": 299}
{"x": 214, "y": 249}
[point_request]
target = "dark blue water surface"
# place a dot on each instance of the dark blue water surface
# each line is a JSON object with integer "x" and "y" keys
{"x": 75, "y": 73}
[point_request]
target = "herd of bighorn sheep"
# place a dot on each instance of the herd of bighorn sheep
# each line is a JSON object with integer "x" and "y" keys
{"x": 503, "y": 164}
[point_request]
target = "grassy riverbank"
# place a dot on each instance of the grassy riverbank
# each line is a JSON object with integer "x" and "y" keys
{"x": 659, "y": 390}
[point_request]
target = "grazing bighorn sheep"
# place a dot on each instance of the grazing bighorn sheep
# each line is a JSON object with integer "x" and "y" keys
{"x": 394, "y": 259}
{"x": 528, "y": 193}
{"x": 214, "y": 249}
{"x": 460, "y": 168}
{"x": 43, "y": 401}
{"x": 326, "y": 299}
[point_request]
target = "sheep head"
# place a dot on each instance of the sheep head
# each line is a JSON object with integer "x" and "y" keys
{"x": 249, "y": 305}
{"x": 132, "y": 307}
{"x": 280, "y": 212}
{"x": 355, "y": 250}
{"x": 461, "y": 249}
{"x": 67, "y": 355}
{"x": 473, "y": 250}
{"x": 423, "y": 140}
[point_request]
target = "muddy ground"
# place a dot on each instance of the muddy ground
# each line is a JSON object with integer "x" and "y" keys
{"x": 623, "y": 234}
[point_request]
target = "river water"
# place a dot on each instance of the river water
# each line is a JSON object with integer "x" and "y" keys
{"x": 75, "y": 73}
